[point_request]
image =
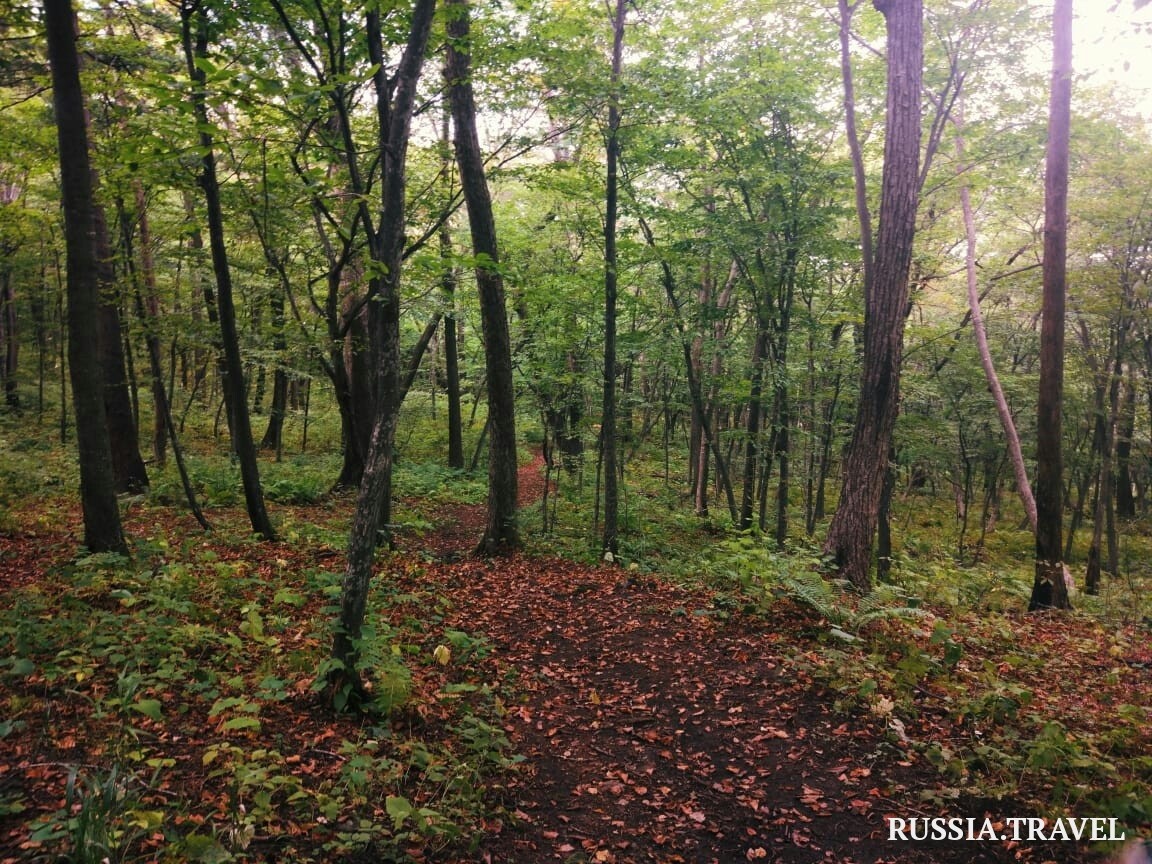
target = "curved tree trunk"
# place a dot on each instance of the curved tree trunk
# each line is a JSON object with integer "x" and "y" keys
{"x": 1015, "y": 453}
{"x": 500, "y": 532}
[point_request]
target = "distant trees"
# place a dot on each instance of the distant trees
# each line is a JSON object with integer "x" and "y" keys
{"x": 688, "y": 289}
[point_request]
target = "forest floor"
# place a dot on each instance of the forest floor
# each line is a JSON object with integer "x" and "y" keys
{"x": 655, "y": 725}
{"x": 655, "y": 732}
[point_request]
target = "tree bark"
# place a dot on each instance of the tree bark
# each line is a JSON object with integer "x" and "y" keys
{"x": 448, "y": 282}
{"x": 151, "y": 306}
{"x": 395, "y": 103}
{"x": 102, "y": 528}
{"x": 9, "y": 339}
{"x": 1048, "y": 587}
{"x": 849, "y": 540}
{"x": 608, "y": 433}
{"x": 127, "y": 463}
{"x": 241, "y": 427}
{"x": 500, "y": 532}
{"x": 752, "y": 431}
{"x": 1125, "y": 502}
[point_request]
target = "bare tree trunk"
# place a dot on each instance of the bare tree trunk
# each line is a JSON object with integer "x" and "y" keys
{"x": 849, "y": 540}
{"x": 102, "y": 529}
{"x": 278, "y": 410}
{"x": 1048, "y": 588}
{"x": 608, "y": 415}
{"x": 448, "y": 281}
{"x": 9, "y": 339}
{"x": 1125, "y": 502}
{"x": 1023, "y": 485}
{"x": 127, "y": 463}
{"x": 242, "y": 444}
{"x": 752, "y": 431}
{"x": 501, "y": 533}
{"x": 151, "y": 306}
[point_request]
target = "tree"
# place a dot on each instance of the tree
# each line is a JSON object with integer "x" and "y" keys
{"x": 1048, "y": 587}
{"x": 193, "y": 19}
{"x": 395, "y": 104}
{"x": 1015, "y": 453}
{"x": 127, "y": 463}
{"x": 849, "y": 540}
{"x": 102, "y": 529}
{"x": 500, "y": 532}
{"x": 608, "y": 430}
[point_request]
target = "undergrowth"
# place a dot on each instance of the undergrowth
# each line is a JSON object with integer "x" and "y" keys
{"x": 192, "y": 669}
{"x": 991, "y": 697}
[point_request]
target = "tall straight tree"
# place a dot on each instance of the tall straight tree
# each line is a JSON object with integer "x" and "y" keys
{"x": 102, "y": 529}
{"x": 395, "y": 98}
{"x": 500, "y": 533}
{"x": 853, "y": 526}
{"x": 448, "y": 282}
{"x": 611, "y": 280}
{"x": 1048, "y": 588}
{"x": 194, "y": 32}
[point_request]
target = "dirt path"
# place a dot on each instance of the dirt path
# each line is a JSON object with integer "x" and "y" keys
{"x": 654, "y": 732}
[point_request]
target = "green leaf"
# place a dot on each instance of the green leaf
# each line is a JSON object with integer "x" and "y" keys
{"x": 399, "y": 809}
{"x": 23, "y": 666}
{"x": 207, "y": 850}
{"x": 242, "y": 723}
{"x": 149, "y": 708}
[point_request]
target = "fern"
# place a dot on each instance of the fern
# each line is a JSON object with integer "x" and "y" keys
{"x": 881, "y": 605}
{"x": 814, "y": 591}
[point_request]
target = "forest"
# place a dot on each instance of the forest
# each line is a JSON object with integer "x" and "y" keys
{"x": 557, "y": 430}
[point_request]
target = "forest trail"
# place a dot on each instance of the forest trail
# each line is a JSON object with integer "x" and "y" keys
{"x": 657, "y": 722}
{"x": 653, "y": 731}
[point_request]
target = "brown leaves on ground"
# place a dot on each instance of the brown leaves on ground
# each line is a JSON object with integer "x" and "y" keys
{"x": 653, "y": 731}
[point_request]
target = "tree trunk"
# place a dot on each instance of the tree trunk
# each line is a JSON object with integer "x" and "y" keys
{"x": 102, "y": 529}
{"x": 151, "y": 306}
{"x": 752, "y": 435}
{"x": 850, "y": 535}
{"x": 1125, "y": 502}
{"x": 395, "y": 103}
{"x": 1048, "y": 587}
{"x": 1015, "y": 453}
{"x": 448, "y": 281}
{"x": 9, "y": 341}
{"x": 500, "y": 532}
{"x": 127, "y": 463}
{"x": 241, "y": 428}
{"x": 277, "y": 411}
{"x": 608, "y": 440}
